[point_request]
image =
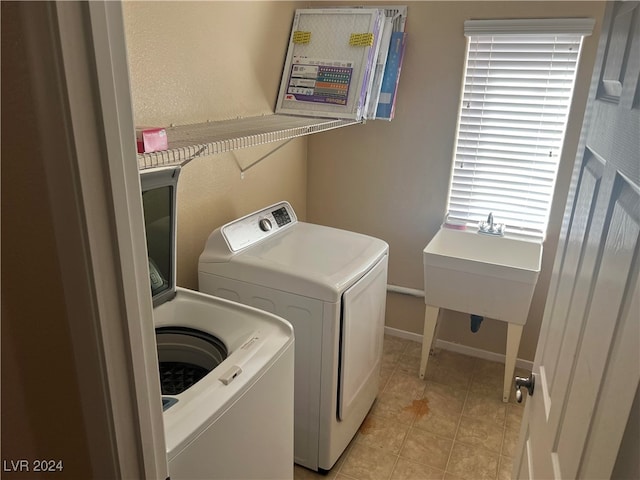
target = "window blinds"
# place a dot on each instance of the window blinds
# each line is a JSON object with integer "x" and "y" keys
{"x": 517, "y": 94}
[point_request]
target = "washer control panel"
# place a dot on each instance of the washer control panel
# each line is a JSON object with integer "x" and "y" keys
{"x": 257, "y": 226}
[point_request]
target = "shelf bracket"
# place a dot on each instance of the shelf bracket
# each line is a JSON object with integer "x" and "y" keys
{"x": 193, "y": 157}
{"x": 255, "y": 162}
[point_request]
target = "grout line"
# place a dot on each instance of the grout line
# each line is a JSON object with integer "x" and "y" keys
{"x": 504, "y": 433}
{"x": 499, "y": 467}
{"x": 455, "y": 435}
{"x": 395, "y": 463}
{"x": 346, "y": 476}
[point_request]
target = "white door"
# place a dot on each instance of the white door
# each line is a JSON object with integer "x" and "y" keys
{"x": 587, "y": 365}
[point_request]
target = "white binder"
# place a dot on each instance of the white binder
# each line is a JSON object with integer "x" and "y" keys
{"x": 330, "y": 62}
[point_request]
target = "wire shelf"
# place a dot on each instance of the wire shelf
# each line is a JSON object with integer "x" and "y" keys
{"x": 190, "y": 141}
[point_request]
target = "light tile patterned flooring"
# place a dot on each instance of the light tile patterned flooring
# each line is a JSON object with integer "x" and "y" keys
{"x": 451, "y": 426}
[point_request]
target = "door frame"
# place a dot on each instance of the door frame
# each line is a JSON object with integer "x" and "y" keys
{"x": 106, "y": 283}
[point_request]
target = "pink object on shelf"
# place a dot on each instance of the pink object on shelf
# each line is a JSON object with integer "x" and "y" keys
{"x": 151, "y": 139}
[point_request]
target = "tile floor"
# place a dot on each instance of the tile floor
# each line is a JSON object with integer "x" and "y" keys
{"x": 451, "y": 426}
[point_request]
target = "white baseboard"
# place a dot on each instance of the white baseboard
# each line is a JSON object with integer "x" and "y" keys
{"x": 458, "y": 348}
{"x": 395, "y": 332}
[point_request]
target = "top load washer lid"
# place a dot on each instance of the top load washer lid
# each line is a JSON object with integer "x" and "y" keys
{"x": 305, "y": 259}
{"x": 159, "y": 202}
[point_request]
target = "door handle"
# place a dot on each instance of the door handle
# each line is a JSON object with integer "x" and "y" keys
{"x": 528, "y": 382}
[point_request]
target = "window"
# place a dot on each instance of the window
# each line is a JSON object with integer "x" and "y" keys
{"x": 516, "y": 98}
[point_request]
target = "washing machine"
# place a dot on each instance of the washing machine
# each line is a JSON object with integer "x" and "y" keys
{"x": 330, "y": 284}
{"x": 226, "y": 369}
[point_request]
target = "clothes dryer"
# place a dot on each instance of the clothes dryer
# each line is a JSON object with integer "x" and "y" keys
{"x": 330, "y": 284}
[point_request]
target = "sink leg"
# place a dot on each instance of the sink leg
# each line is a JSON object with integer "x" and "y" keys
{"x": 430, "y": 322}
{"x": 514, "y": 332}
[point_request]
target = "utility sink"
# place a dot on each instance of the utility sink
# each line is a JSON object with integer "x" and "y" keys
{"x": 486, "y": 275}
{"x": 481, "y": 274}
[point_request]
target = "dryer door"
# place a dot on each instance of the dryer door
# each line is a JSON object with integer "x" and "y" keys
{"x": 363, "y": 309}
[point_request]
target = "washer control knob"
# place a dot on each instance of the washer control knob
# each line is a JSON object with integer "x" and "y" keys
{"x": 265, "y": 224}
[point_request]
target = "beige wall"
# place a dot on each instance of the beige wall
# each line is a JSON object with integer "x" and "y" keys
{"x": 391, "y": 179}
{"x": 196, "y": 61}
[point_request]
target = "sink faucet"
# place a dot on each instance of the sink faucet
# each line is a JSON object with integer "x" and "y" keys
{"x": 491, "y": 228}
